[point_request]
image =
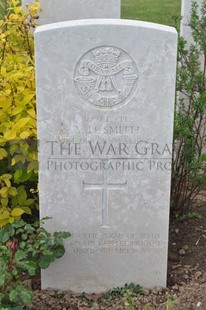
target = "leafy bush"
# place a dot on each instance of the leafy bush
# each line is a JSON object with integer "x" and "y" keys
{"x": 18, "y": 150}
{"x": 189, "y": 164}
{"x": 24, "y": 249}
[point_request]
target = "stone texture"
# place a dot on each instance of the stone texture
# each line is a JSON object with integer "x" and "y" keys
{"x": 105, "y": 100}
{"x": 54, "y": 11}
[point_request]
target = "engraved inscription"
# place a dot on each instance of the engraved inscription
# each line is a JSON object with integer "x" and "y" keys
{"x": 113, "y": 243}
{"x": 105, "y": 77}
{"x": 104, "y": 186}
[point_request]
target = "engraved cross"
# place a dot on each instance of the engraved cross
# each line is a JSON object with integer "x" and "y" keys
{"x": 104, "y": 186}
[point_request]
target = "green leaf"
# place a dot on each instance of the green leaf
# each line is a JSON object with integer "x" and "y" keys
{"x": 3, "y": 249}
{"x": 18, "y": 224}
{"x": 29, "y": 228}
{"x": 24, "y": 236}
{"x": 20, "y": 255}
{"x": 45, "y": 261}
{"x": 1, "y": 234}
{"x": 23, "y": 245}
{"x": 47, "y": 252}
{"x": 22, "y": 195}
{"x": 11, "y": 230}
{"x": 13, "y": 295}
{"x": 31, "y": 267}
{"x": 2, "y": 279}
{"x": 14, "y": 272}
{"x": 10, "y": 134}
{"x": 5, "y": 215}
{"x": 26, "y": 296}
{"x": 29, "y": 202}
{"x": 22, "y": 122}
{"x": 21, "y": 176}
{"x": 58, "y": 250}
{"x": 14, "y": 201}
{"x": 17, "y": 175}
{"x": 58, "y": 241}
{"x": 26, "y": 210}
{"x": 62, "y": 234}
{"x": 65, "y": 234}
{"x": 17, "y": 212}
{"x": 12, "y": 191}
{"x": 5, "y": 237}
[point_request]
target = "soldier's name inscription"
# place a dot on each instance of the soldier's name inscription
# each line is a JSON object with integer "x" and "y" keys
{"x": 104, "y": 130}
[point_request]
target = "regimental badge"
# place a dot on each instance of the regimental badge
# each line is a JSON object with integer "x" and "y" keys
{"x": 106, "y": 77}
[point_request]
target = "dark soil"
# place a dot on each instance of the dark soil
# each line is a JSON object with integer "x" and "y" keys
{"x": 186, "y": 288}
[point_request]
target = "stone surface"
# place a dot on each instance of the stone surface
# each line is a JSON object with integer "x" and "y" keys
{"x": 54, "y": 11}
{"x": 105, "y": 99}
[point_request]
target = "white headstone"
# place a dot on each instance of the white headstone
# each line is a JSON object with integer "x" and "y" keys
{"x": 54, "y": 11}
{"x": 185, "y": 29}
{"x": 105, "y": 99}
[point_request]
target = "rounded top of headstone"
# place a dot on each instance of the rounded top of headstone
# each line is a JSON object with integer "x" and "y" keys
{"x": 109, "y": 22}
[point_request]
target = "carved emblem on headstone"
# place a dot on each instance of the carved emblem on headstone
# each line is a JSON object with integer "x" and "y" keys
{"x": 106, "y": 76}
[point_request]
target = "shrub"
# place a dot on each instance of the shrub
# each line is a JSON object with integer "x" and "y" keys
{"x": 24, "y": 249}
{"x": 18, "y": 150}
{"x": 189, "y": 163}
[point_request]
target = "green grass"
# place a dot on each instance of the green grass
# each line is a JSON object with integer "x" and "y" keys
{"x": 156, "y": 11}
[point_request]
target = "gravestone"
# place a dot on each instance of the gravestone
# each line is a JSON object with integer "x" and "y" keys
{"x": 185, "y": 29}
{"x": 105, "y": 100}
{"x": 54, "y": 11}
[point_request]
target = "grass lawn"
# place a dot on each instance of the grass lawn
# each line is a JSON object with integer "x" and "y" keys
{"x": 156, "y": 11}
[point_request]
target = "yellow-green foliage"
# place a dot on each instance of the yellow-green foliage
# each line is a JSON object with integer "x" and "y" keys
{"x": 18, "y": 150}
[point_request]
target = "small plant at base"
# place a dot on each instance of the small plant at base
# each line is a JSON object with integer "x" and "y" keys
{"x": 129, "y": 300}
{"x": 24, "y": 249}
{"x": 170, "y": 300}
{"x": 189, "y": 215}
{"x": 119, "y": 292}
{"x": 127, "y": 292}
